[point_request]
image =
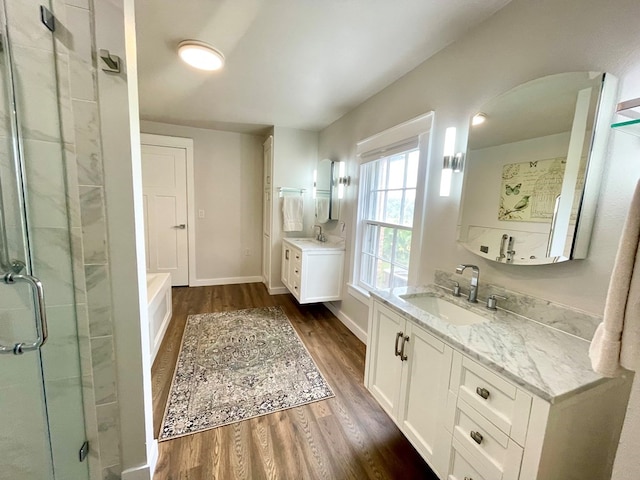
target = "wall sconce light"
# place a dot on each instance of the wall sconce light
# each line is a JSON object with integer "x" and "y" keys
{"x": 447, "y": 164}
{"x": 343, "y": 180}
{"x": 315, "y": 182}
{"x": 457, "y": 164}
{"x": 451, "y": 162}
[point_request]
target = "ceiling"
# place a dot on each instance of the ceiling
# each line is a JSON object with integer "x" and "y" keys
{"x": 291, "y": 63}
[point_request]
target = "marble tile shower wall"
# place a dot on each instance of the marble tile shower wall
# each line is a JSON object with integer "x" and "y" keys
{"x": 91, "y": 255}
{"x": 76, "y": 267}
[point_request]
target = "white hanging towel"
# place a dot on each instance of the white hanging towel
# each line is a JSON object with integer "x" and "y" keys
{"x": 292, "y": 208}
{"x": 322, "y": 209}
{"x": 616, "y": 342}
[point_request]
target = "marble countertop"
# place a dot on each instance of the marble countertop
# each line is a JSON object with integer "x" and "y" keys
{"x": 308, "y": 243}
{"x": 544, "y": 361}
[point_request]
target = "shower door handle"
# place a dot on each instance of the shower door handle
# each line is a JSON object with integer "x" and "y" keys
{"x": 40, "y": 311}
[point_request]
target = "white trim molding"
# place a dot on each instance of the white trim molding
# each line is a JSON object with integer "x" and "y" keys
{"x": 348, "y": 322}
{"x": 411, "y": 128}
{"x": 207, "y": 282}
{"x": 359, "y": 293}
{"x": 278, "y": 290}
{"x": 187, "y": 145}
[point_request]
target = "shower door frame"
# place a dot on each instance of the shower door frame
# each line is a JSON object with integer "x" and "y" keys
{"x": 47, "y": 370}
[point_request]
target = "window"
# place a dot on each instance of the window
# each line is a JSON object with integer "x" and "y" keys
{"x": 387, "y": 200}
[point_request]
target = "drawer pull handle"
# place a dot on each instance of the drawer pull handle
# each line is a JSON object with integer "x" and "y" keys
{"x": 468, "y": 478}
{"x": 477, "y": 437}
{"x": 403, "y": 357}
{"x": 398, "y": 337}
{"x": 483, "y": 392}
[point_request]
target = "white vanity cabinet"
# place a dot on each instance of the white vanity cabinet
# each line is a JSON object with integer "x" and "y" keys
{"x": 488, "y": 419}
{"x": 471, "y": 423}
{"x": 407, "y": 371}
{"x": 312, "y": 272}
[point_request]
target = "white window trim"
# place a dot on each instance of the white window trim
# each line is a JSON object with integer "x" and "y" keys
{"x": 419, "y": 127}
{"x": 359, "y": 293}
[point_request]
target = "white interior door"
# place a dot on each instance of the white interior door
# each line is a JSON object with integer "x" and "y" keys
{"x": 164, "y": 181}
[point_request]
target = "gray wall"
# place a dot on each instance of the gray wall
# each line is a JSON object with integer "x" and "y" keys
{"x": 228, "y": 187}
{"x": 523, "y": 41}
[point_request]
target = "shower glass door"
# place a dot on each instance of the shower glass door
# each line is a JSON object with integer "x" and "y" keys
{"x": 41, "y": 409}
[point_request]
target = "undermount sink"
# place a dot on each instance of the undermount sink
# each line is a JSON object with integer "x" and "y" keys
{"x": 444, "y": 310}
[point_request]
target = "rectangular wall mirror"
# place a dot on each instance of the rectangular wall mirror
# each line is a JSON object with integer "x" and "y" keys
{"x": 326, "y": 191}
{"x": 533, "y": 169}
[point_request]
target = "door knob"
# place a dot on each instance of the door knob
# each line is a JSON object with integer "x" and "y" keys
{"x": 182, "y": 226}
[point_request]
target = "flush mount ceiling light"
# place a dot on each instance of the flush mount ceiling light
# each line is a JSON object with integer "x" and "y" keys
{"x": 478, "y": 119}
{"x": 200, "y": 55}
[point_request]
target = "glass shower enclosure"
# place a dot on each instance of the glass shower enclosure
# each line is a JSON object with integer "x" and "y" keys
{"x": 41, "y": 406}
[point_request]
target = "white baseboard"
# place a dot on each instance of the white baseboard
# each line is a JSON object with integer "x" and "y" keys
{"x": 348, "y": 322}
{"x": 278, "y": 290}
{"x": 144, "y": 472}
{"x": 138, "y": 473}
{"x": 207, "y": 282}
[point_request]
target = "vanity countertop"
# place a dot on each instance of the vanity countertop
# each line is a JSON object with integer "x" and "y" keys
{"x": 544, "y": 361}
{"x": 308, "y": 244}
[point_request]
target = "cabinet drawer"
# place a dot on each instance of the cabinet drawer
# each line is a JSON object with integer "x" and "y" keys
{"x": 295, "y": 286}
{"x": 483, "y": 439}
{"x": 296, "y": 257}
{"x": 499, "y": 401}
{"x": 295, "y": 273}
{"x": 462, "y": 465}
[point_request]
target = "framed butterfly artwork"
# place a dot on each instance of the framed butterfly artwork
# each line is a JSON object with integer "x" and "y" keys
{"x": 530, "y": 195}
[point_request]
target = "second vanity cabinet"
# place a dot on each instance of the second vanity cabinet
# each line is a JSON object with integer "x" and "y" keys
{"x": 470, "y": 423}
{"x": 312, "y": 272}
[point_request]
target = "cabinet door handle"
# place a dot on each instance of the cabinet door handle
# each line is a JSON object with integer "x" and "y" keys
{"x": 477, "y": 437}
{"x": 403, "y": 357}
{"x": 483, "y": 392}
{"x": 398, "y": 337}
{"x": 286, "y": 254}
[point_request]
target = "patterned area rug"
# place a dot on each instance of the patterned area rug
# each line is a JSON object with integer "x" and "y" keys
{"x": 238, "y": 365}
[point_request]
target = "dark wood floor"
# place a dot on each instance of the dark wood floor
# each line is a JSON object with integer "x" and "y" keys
{"x": 345, "y": 437}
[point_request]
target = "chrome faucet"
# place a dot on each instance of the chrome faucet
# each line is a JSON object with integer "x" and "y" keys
{"x": 475, "y": 279}
{"x": 320, "y": 237}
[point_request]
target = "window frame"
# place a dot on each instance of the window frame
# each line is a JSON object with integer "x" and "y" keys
{"x": 366, "y": 198}
{"x": 417, "y": 130}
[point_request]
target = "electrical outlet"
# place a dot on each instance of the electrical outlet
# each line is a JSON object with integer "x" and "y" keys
{"x": 200, "y": 213}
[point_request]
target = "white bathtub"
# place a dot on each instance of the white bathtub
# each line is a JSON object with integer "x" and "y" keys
{"x": 159, "y": 308}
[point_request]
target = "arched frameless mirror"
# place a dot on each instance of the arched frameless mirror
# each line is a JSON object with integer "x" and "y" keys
{"x": 326, "y": 191}
{"x": 533, "y": 168}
